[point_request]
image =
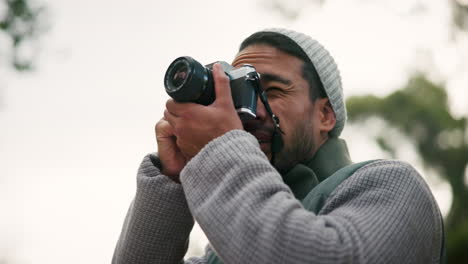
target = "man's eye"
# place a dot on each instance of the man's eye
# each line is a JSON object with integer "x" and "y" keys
{"x": 273, "y": 89}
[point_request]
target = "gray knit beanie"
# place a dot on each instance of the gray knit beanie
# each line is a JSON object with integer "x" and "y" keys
{"x": 327, "y": 70}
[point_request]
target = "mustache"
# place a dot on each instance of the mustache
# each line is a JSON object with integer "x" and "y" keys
{"x": 256, "y": 126}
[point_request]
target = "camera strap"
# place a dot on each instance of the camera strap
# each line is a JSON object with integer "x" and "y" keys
{"x": 277, "y": 140}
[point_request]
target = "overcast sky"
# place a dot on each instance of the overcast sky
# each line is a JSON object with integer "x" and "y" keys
{"x": 73, "y": 132}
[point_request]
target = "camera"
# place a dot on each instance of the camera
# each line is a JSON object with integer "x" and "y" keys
{"x": 186, "y": 80}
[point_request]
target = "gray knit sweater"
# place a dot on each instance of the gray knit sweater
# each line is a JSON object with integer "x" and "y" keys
{"x": 383, "y": 213}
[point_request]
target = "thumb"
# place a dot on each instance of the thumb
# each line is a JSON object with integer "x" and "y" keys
{"x": 163, "y": 129}
{"x": 222, "y": 86}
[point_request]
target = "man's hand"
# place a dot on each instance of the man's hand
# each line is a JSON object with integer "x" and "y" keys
{"x": 170, "y": 155}
{"x": 195, "y": 125}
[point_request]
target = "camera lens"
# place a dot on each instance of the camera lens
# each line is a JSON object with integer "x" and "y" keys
{"x": 178, "y": 75}
{"x": 186, "y": 80}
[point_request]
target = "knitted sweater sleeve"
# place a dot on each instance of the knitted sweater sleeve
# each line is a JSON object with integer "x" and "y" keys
{"x": 384, "y": 213}
{"x": 158, "y": 223}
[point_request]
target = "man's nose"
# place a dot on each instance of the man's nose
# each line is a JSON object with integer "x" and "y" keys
{"x": 261, "y": 111}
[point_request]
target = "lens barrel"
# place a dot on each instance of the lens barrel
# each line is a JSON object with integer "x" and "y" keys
{"x": 186, "y": 80}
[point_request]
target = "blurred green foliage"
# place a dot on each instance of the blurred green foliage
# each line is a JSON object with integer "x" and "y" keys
{"x": 420, "y": 110}
{"x": 460, "y": 14}
{"x": 21, "y": 22}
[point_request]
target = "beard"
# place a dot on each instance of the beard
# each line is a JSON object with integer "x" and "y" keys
{"x": 300, "y": 149}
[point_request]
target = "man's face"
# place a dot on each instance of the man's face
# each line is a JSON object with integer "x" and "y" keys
{"x": 289, "y": 97}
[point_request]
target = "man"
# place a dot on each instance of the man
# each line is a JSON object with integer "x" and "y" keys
{"x": 311, "y": 206}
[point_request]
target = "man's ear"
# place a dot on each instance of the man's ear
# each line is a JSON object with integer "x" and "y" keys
{"x": 327, "y": 117}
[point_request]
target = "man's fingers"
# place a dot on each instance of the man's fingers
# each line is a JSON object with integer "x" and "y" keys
{"x": 170, "y": 118}
{"x": 222, "y": 87}
{"x": 164, "y": 129}
{"x": 181, "y": 109}
{"x": 174, "y": 107}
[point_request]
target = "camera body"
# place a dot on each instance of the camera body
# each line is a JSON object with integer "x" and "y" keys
{"x": 186, "y": 80}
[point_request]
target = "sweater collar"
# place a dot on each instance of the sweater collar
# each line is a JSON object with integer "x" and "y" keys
{"x": 329, "y": 158}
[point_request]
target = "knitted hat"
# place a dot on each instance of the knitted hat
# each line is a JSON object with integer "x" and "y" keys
{"x": 327, "y": 71}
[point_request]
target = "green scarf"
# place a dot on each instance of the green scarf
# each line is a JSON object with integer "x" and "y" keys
{"x": 331, "y": 156}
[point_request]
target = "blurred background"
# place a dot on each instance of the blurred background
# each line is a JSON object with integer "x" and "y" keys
{"x": 81, "y": 90}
